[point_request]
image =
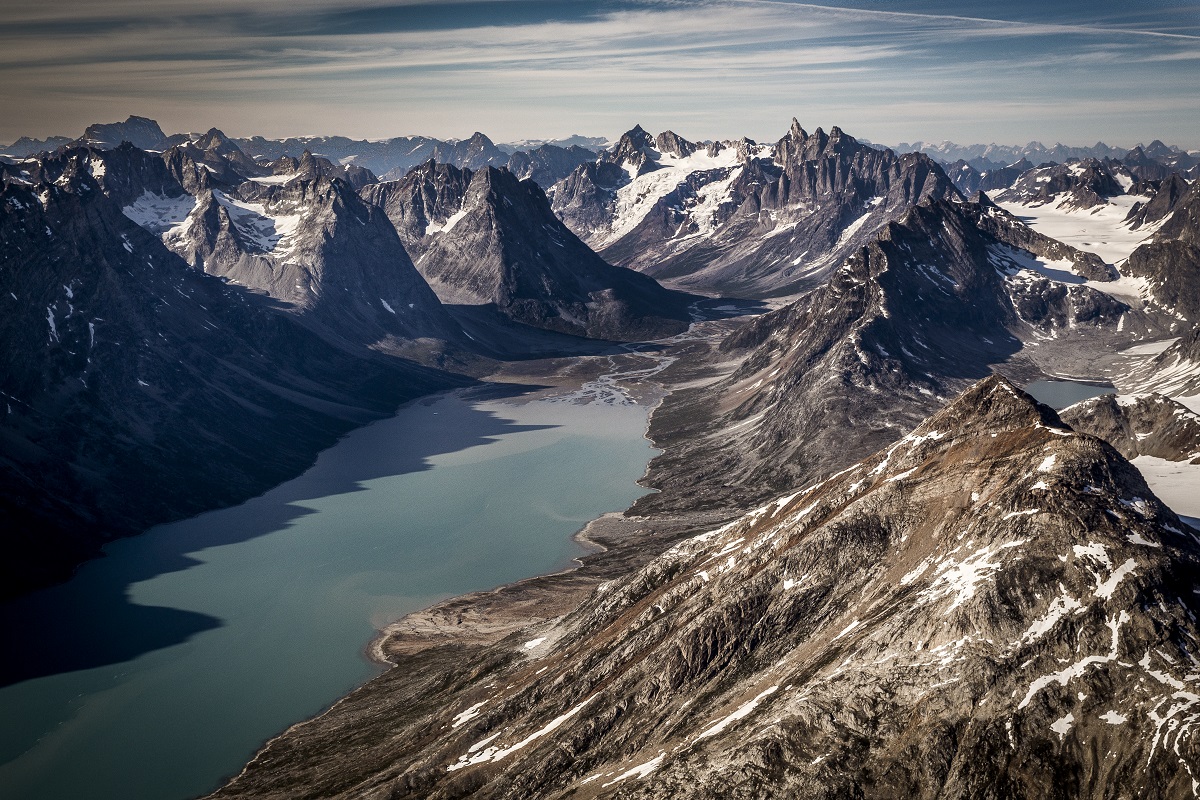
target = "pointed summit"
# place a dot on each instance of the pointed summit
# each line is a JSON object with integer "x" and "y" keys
{"x": 215, "y": 141}
{"x": 673, "y": 143}
{"x": 635, "y": 151}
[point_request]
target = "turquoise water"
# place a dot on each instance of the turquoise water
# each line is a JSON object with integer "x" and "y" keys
{"x": 1060, "y": 394}
{"x": 176, "y": 656}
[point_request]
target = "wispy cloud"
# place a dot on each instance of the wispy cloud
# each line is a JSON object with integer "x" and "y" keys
{"x": 727, "y": 67}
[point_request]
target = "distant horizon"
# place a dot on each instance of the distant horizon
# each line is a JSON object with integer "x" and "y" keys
{"x": 169, "y": 131}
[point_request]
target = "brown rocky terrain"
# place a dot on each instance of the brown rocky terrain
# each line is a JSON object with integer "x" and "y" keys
{"x": 993, "y": 606}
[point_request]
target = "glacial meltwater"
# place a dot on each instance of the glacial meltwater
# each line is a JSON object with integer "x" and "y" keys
{"x": 158, "y": 670}
{"x": 1060, "y": 394}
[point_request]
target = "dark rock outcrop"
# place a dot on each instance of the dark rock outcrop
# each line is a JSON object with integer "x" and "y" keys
{"x": 1141, "y": 425}
{"x": 487, "y": 239}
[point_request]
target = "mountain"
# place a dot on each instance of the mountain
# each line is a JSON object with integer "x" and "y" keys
{"x": 1169, "y": 262}
{"x": 141, "y": 132}
{"x": 991, "y": 606}
{"x": 1139, "y": 425}
{"x": 548, "y": 164}
{"x": 310, "y": 243}
{"x": 969, "y": 180}
{"x": 138, "y": 389}
{"x": 544, "y": 162}
{"x": 1175, "y": 372}
{"x": 939, "y": 299}
{"x": 737, "y": 217}
{"x": 484, "y": 238}
{"x": 26, "y": 146}
{"x": 1079, "y": 184}
{"x": 592, "y": 143}
{"x": 990, "y": 156}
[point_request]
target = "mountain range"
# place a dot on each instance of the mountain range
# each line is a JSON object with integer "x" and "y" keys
{"x": 873, "y": 565}
{"x": 170, "y": 310}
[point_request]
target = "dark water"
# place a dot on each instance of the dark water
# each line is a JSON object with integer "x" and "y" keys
{"x": 165, "y": 665}
{"x": 1060, "y": 394}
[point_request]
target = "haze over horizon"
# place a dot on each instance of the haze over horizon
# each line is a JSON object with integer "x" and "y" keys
{"x": 889, "y": 72}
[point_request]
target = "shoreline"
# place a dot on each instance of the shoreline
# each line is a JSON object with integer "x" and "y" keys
{"x": 374, "y": 651}
{"x": 434, "y": 639}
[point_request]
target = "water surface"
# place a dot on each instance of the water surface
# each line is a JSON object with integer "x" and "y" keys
{"x": 161, "y": 668}
{"x": 1060, "y": 394}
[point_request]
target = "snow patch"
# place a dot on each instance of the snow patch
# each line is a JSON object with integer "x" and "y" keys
{"x": 743, "y": 711}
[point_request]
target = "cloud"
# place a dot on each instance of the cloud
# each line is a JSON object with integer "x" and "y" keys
{"x": 443, "y": 68}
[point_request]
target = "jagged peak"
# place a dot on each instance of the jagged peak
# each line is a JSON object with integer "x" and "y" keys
{"x": 432, "y": 168}
{"x": 216, "y": 141}
{"x": 635, "y": 137}
{"x": 797, "y": 132}
{"x": 982, "y": 200}
{"x": 671, "y": 142}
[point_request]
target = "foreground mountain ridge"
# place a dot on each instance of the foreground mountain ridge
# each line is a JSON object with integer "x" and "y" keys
{"x": 993, "y": 606}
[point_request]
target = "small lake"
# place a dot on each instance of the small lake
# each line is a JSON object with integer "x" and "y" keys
{"x": 159, "y": 670}
{"x": 1060, "y": 394}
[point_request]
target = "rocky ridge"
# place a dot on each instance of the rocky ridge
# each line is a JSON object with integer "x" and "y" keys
{"x": 1139, "y": 425}
{"x": 993, "y": 605}
{"x": 938, "y": 300}
{"x": 732, "y": 216}
{"x": 485, "y": 238}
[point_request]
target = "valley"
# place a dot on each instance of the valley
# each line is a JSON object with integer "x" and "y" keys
{"x": 919, "y": 509}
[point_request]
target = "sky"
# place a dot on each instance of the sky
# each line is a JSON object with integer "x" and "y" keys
{"x": 889, "y": 71}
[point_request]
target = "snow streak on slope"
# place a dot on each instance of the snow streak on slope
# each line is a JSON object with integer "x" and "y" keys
{"x": 1021, "y": 263}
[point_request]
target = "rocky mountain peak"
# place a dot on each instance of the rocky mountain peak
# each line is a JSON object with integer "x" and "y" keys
{"x": 676, "y": 145}
{"x": 1158, "y": 149}
{"x": 1140, "y": 425}
{"x": 937, "y": 617}
{"x": 1168, "y": 194}
{"x": 796, "y": 131}
{"x": 479, "y": 141}
{"x": 635, "y": 150}
{"x": 215, "y": 141}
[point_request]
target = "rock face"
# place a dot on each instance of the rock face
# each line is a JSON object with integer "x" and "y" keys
{"x": 486, "y": 239}
{"x": 1141, "y": 425}
{"x": 548, "y": 164}
{"x": 1003, "y": 177}
{"x": 1170, "y": 261}
{"x": 308, "y": 242}
{"x": 138, "y": 131}
{"x": 1175, "y": 372}
{"x": 937, "y": 301}
{"x": 1162, "y": 202}
{"x": 1077, "y": 185}
{"x": 137, "y": 389}
{"x": 737, "y": 217}
{"x": 994, "y": 606}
